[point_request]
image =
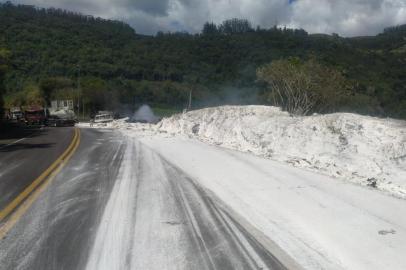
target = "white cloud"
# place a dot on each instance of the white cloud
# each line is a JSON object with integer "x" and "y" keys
{"x": 346, "y": 17}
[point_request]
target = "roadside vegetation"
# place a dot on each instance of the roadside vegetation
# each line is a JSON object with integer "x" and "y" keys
{"x": 104, "y": 64}
{"x": 162, "y": 111}
{"x": 4, "y": 62}
{"x": 304, "y": 87}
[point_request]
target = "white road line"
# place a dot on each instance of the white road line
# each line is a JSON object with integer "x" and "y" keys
{"x": 19, "y": 140}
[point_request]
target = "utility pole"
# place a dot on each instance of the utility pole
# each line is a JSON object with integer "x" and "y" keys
{"x": 189, "y": 107}
{"x": 78, "y": 104}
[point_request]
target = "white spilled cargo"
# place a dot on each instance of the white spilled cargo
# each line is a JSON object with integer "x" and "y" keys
{"x": 361, "y": 149}
{"x": 294, "y": 184}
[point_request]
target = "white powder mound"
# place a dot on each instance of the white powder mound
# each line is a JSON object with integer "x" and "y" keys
{"x": 366, "y": 150}
{"x": 362, "y": 149}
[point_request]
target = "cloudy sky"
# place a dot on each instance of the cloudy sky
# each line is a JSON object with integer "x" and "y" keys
{"x": 345, "y": 17}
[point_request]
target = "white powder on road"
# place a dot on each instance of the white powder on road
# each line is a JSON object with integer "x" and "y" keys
{"x": 358, "y": 148}
{"x": 321, "y": 222}
{"x": 366, "y": 150}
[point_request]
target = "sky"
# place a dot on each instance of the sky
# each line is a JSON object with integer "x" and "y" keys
{"x": 345, "y": 17}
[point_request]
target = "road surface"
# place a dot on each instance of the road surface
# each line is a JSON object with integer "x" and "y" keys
{"x": 117, "y": 205}
{"x": 25, "y": 158}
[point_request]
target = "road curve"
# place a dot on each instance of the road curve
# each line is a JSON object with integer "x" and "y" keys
{"x": 118, "y": 205}
{"x": 25, "y": 160}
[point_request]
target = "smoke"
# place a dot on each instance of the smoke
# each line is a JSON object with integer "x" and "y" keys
{"x": 145, "y": 115}
{"x": 227, "y": 95}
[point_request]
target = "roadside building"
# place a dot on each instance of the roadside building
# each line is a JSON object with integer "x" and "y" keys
{"x": 57, "y": 105}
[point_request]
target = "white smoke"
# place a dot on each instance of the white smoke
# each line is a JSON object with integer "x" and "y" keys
{"x": 145, "y": 115}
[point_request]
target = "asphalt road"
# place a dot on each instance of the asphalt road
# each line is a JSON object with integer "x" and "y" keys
{"x": 118, "y": 205}
{"x": 25, "y": 158}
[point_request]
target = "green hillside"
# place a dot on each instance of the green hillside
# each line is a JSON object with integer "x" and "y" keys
{"x": 50, "y": 48}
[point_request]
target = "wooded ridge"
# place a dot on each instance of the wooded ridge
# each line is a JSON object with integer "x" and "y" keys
{"x": 48, "y": 50}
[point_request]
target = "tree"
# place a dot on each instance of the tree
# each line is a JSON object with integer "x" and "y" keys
{"x": 30, "y": 95}
{"x": 55, "y": 87}
{"x": 235, "y": 26}
{"x": 33, "y": 95}
{"x": 4, "y": 59}
{"x": 303, "y": 87}
{"x": 49, "y": 43}
{"x": 210, "y": 29}
{"x": 95, "y": 95}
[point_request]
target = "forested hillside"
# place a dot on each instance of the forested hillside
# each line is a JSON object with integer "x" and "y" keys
{"x": 51, "y": 49}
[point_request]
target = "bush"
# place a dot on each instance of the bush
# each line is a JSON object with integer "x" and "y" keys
{"x": 301, "y": 87}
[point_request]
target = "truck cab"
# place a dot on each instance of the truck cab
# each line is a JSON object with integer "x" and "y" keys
{"x": 35, "y": 115}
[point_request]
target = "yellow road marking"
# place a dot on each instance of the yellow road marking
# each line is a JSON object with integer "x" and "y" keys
{"x": 43, "y": 179}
